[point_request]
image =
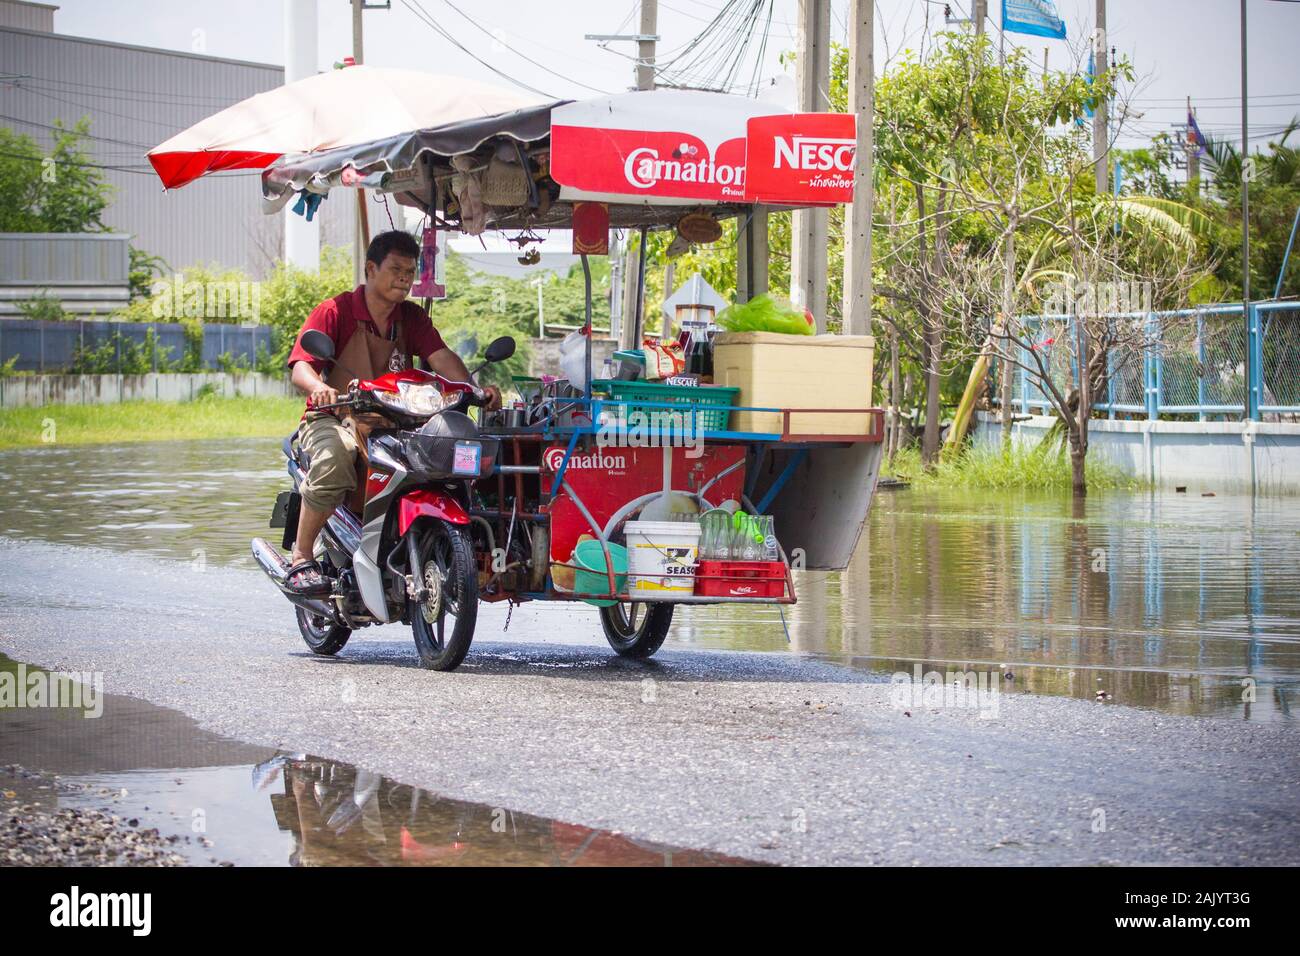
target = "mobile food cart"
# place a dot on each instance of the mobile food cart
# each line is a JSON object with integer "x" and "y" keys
{"x": 617, "y": 493}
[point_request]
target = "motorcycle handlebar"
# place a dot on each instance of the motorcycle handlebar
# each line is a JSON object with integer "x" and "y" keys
{"x": 346, "y": 403}
{"x": 470, "y": 396}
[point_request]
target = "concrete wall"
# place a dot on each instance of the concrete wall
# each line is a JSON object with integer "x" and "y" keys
{"x": 1204, "y": 456}
{"x": 39, "y": 390}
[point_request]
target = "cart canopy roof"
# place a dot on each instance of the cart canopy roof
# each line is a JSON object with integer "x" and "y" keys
{"x": 330, "y": 109}
{"x": 651, "y": 156}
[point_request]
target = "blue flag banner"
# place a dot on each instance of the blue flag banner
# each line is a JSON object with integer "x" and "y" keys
{"x": 1194, "y": 135}
{"x": 1092, "y": 72}
{"x": 1035, "y": 17}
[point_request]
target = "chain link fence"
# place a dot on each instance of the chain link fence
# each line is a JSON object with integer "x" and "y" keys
{"x": 91, "y": 347}
{"x": 1195, "y": 365}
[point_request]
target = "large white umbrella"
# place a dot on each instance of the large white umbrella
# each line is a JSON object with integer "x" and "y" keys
{"x": 339, "y": 108}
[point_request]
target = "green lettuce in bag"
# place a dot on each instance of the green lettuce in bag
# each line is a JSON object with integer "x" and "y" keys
{"x": 763, "y": 313}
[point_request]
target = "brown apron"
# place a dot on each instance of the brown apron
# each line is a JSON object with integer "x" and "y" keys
{"x": 367, "y": 356}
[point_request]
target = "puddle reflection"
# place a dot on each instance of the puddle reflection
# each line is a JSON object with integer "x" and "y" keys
{"x": 218, "y": 800}
{"x": 338, "y": 814}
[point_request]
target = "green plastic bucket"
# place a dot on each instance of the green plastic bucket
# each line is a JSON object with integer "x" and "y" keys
{"x": 590, "y": 578}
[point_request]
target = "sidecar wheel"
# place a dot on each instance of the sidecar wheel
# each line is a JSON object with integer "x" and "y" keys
{"x": 636, "y": 629}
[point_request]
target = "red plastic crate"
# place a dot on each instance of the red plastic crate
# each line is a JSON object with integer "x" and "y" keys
{"x": 740, "y": 579}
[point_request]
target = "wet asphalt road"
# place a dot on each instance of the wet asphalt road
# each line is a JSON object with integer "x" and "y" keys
{"x": 765, "y": 756}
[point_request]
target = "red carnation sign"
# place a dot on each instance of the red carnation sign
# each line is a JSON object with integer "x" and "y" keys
{"x": 669, "y": 146}
{"x": 663, "y": 164}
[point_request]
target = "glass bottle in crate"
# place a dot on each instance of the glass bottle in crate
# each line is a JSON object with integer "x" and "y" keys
{"x": 711, "y": 524}
{"x": 743, "y": 545}
{"x": 767, "y": 530}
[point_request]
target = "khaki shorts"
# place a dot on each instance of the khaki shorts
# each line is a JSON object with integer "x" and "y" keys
{"x": 331, "y": 474}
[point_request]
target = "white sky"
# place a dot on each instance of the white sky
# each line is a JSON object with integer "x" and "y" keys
{"x": 1180, "y": 47}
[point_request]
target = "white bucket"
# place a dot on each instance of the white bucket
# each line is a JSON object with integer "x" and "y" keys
{"x": 661, "y": 558}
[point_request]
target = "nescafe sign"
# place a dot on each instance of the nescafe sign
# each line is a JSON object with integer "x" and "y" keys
{"x": 801, "y": 158}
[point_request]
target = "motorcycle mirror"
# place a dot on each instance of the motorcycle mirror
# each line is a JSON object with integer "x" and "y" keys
{"x": 500, "y": 349}
{"x": 318, "y": 345}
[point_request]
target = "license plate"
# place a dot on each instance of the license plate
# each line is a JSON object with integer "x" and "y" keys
{"x": 466, "y": 458}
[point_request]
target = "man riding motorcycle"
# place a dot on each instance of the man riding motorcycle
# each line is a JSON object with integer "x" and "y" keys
{"x": 375, "y": 330}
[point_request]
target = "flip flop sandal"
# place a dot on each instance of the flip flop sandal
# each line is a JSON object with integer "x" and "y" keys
{"x": 307, "y": 578}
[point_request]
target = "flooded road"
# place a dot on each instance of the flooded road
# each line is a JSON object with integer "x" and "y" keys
{"x": 219, "y": 801}
{"x": 1183, "y": 603}
{"x": 774, "y": 757}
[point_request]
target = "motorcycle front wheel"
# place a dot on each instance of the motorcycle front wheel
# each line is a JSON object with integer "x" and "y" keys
{"x": 443, "y": 623}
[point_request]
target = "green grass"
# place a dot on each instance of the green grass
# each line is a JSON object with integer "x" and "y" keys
{"x": 148, "y": 421}
{"x": 1029, "y": 469}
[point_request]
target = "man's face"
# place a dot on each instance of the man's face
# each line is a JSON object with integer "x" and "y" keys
{"x": 391, "y": 280}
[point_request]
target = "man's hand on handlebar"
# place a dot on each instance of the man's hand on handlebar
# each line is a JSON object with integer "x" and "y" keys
{"x": 493, "y": 397}
{"x": 323, "y": 395}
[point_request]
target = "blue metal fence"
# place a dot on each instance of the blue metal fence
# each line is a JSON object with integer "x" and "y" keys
{"x": 1195, "y": 365}
{"x": 53, "y": 346}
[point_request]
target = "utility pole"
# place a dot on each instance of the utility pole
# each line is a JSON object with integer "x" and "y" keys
{"x": 979, "y": 15}
{"x": 857, "y": 226}
{"x": 809, "y": 227}
{"x": 301, "y": 238}
{"x": 645, "y": 47}
{"x": 752, "y": 254}
{"x": 632, "y": 278}
{"x": 1193, "y": 153}
{"x": 1249, "y": 399}
{"x": 1100, "y": 130}
{"x": 666, "y": 331}
{"x": 362, "y": 237}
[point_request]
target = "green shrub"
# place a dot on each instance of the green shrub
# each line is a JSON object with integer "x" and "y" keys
{"x": 43, "y": 307}
{"x": 123, "y": 355}
{"x": 1032, "y": 469}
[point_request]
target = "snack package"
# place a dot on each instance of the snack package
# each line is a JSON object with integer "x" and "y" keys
{"x": 663, "y": 359}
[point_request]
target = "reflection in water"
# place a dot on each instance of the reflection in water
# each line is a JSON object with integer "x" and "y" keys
{"x": 156, "y": 768}
{"x": 338, "y": 814}
{"x": 1160, "y": 599}
{"x": 1155, "y": 598}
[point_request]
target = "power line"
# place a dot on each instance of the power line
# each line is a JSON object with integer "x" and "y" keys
{"x": 88, "y": 108}
{"x": 153, "y": 95}
{"x": 718, "y": 54}
{"x": 522, "y": 56}
{"x": 424, "y": 16}
{"x": 66, "y": 129}
{"x": 1253, "y": 98}
{"x": 44, "y": 160}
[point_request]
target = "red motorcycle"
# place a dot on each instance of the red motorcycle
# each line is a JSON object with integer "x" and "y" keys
{"x": 409, "y": 555}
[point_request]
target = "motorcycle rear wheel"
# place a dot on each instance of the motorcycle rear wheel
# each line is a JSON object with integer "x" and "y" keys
{"x": 320, "y": 634}
{"x": 443, "y": 624}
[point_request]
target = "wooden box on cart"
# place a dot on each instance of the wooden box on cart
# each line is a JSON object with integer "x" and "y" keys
{"x": 773, "y": 370}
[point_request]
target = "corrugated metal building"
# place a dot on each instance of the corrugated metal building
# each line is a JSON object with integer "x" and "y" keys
{"x": 89, "y": 273}
{"x": 136, "y": 97}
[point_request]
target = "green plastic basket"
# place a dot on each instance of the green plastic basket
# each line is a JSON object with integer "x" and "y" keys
{"x": 712, "y": 403}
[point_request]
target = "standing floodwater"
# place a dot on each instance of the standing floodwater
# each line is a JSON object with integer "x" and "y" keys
{"x": 1151, "y": 598}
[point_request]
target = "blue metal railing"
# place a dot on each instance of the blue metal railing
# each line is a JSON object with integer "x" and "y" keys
{"x": 1195, "y": 364}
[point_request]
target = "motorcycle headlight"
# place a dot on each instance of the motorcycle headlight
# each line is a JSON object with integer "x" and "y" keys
{"x": 413, "y": 398}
